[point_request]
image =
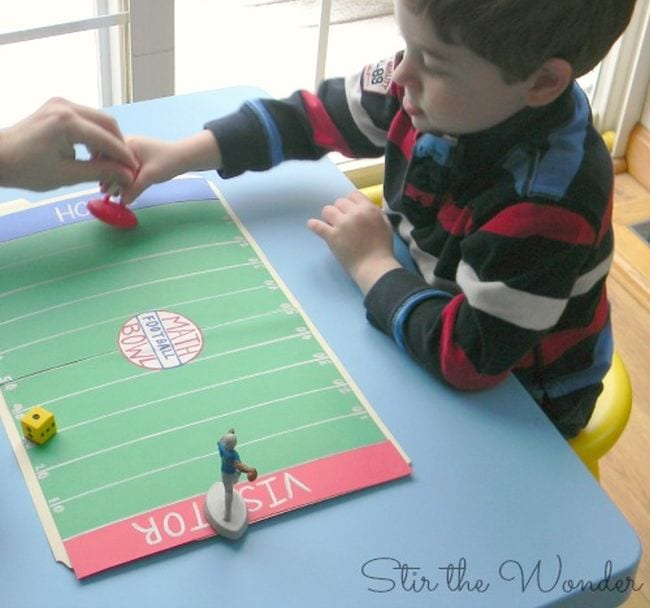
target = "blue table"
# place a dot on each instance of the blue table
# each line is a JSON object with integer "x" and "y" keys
{"x": 498, "y": 512}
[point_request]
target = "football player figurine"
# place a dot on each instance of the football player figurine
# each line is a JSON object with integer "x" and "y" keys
{"x": 225, "y": 509}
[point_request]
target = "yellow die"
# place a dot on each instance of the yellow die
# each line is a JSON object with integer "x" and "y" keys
{"x": 38, "y": 425}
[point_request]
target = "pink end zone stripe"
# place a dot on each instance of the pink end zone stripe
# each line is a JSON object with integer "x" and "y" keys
{"x": 182, "y": 522}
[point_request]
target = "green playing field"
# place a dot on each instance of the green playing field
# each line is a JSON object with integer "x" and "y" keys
{"x": 147, "y": 346}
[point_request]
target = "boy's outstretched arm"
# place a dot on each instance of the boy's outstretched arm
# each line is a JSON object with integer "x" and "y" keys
{"x": 162, "y": 160}
{"x": 360, "y": 237}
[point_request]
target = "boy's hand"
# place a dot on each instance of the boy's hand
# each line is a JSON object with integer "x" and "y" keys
{"x": 158, "y": 162}
{"x": 360, "y": 237}
{"x": 162, "y": 160}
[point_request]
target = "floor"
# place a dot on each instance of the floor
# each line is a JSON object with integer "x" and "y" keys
{"x": 632, "y": 262}
{"x": 625, "y": 471}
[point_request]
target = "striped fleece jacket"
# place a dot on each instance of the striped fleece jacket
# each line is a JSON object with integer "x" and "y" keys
{"x": 509, "y": 228}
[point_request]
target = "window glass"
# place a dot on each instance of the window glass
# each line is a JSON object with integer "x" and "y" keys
{"x": 589, "y": 80}
{"x": 274, "y": 44}
{"x": 361, "y": 32}
{"x": 66, "y": 65}
{"x": 28, "y": 14}
{"x": 36, "y": 70}
{"x": 263, "y": 43}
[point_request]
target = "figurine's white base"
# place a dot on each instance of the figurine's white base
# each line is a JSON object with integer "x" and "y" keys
{"x": 215, "y": 508}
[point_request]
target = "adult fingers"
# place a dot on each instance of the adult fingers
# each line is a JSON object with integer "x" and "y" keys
{"x": 100, "y": 141}
{"x": 95, "y": 170}
{"x": 103, "y": 120}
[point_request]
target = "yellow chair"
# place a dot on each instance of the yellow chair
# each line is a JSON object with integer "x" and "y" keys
{"x": 374, "y": 193}
{"x": 612, "y": 409}
{"x": 609, "y": 418}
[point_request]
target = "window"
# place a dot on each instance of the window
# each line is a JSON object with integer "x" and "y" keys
{"x": 278, "y": 46}
{"x": 620, "y": 90}
{"x": 60, "y": 48}
{"x": 105, "y": 52}
{"x": 359, "y": 33}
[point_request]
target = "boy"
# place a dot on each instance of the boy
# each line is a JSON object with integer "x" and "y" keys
{"x": 494, "y": 178}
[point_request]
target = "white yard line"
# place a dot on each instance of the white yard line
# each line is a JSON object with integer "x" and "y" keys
{"x": 94, "y": 269}
{"x": 195, "y": 362}
{"x": 56, "y": 502}
{"x": 126, "y": 316}
{"x": 128, "y": 288}
{"x": 189, "y": 425}
{"x": 311, "y": 425}
{"x": 27, "y": 262}
{"x": 261, "y": 315}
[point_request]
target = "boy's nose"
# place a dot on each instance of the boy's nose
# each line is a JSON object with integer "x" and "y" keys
{"x": 404, "y": 73}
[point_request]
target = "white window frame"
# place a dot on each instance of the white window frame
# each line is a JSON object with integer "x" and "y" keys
{"x": 620, "y": 90}
{"x": 137, "y": 59}
{"x": 151, "y": 50}
{"x": 112, "y": 86}
{"x": 323, "y": 40}
{"x": 113, "y": 55}
{"x": 66, "y": 27}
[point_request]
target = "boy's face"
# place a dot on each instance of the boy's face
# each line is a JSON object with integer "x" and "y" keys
{"x": 448, "y": 89}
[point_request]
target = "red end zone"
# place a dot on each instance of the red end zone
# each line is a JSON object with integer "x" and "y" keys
{"x": 179, "y": 523}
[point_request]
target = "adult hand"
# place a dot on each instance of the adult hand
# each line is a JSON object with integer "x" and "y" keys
{"x": 38, "y": 152}
{"x": 360, "y": 236}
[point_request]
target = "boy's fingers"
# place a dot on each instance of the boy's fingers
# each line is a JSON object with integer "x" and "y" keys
{"x": 319, "y": 227}
{"x": 129, "y": 194}
{"x": 331, "y": 213}
{"x": 133, "y": 190}
{"x": 345, "y": 204}
{"x": 358, "y": 197}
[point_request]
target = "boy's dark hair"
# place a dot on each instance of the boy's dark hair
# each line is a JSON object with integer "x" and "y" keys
{"x": 518, "y": 36}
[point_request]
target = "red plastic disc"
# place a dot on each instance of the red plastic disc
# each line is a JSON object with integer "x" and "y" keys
{"x": 115, "y": 214}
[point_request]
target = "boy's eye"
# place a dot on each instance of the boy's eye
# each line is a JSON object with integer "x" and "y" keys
{"x": 435, "y": 70}
{"x": 433, "y": 67}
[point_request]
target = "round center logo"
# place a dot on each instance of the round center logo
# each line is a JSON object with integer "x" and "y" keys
{"x": 160, "y": 339}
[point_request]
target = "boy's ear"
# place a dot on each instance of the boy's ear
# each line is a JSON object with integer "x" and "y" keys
{"x": 548, "y": 82}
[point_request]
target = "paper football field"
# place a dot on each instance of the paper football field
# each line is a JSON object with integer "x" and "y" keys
{"x": 147, "y": 346}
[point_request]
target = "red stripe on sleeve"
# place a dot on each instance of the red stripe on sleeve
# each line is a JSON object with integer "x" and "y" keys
{"x": 424, "y": 198}
{"x": 456, "y": 367}
{"x": 555, "y": 345}
{"x": 607, "y": 220}
{"x": 402, "y": 134}
{"x": 326, "y": 134}
{"x": 457, "y": 221}
{"x": 529, "y": 219}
